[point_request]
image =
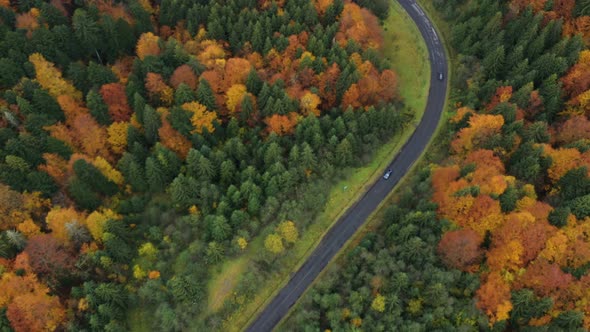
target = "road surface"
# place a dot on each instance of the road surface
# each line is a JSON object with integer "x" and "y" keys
{"x": 356, "y": 215}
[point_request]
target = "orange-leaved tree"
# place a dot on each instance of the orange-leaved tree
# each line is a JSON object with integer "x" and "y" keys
{"x": 577, "y": 79}
{"x": 360, "y": 25}
{"x": 155, "y": 84}
{"x": 282, "y": 124}
{"x": 148, "y": 44}
{"x": 91, "y": 136}
{"x": 171, "y": 138}
{"x": 115, "y": 97}
{"x": 461, "y": 249}
{"x": 489, "y": 172}
{"x": 327, "y": 85}
{"x": 544, "y": 277}
{"x": 352, "y": 97}
{"x": 322, "y": 5}
{"x": 50, "y": 259}
{"x": 28, "y": 21}
{"x": 503, "y": 94}
{"x": 481, "y": 127}
{"x": 493, "y": 297}
{"x": 236, "y": 71}
{"x": 372, "y": 88}
{"x": 71, "y": 108}
{"x": 562, "y": 160}
{"x": 115, "y": 10}
{"x": 184, "y": 74}
{"x": 56, "y": 167}
{"x": 29, "y": 305}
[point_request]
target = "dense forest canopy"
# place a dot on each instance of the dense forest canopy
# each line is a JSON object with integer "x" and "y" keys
{"x": 143, "y": 142}
{"x": 494, "y": 234}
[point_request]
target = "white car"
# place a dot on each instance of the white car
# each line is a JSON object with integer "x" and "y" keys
{"x": 440, "y": 76}
{"x": 387, "y": 174}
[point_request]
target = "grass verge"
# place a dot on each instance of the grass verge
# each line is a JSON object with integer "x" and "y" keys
{"x": 406, "y": 51}
{"x": 223, "y": 282}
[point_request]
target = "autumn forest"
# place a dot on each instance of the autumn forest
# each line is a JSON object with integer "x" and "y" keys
{"x": 144, "y": 144}
{"x": 491, "y": 232}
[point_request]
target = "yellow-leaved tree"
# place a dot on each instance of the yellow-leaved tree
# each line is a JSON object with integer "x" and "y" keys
{"x": 242, "y": 243}
{"x": 234, "y": 96}
{"x": 96, "y": 221}
{"x": 274, "y": 243}
{"x": 108, "y": 170}
{"x": 117, "y": 132}
{"x": 200, "y": 117}
{"x": 378, "y": 303}
{"x": 58, "y": 218}
{"x": 309, "y": 103}
{"x": 210, "y": 50}
{"x": 50, "y": 78}
{"x": 288, "y": 231}
{"x": 481, "y": 127}
{"x": 148, "y": 251}
{"x": 28, "y": 228}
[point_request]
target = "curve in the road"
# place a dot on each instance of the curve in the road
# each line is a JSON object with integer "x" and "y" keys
{"x": 356, "y": 215}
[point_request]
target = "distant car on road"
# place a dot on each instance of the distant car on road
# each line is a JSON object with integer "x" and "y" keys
{"x": 387, "y": 174}
{"x": 440, "y": 76}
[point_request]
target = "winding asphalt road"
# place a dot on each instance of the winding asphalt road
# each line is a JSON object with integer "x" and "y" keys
{"x": 356, "y": 215}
